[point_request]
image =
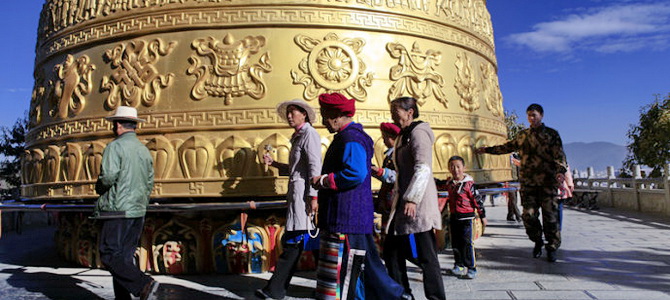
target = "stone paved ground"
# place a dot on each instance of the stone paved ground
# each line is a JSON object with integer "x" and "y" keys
{"x": 606, "y": 254}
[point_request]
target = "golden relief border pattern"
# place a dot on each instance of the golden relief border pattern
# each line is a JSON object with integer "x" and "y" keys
{"x": 260, "y": 117}
{"x": 200, "y": 188}
{"x": 473, "y": 15}
{"x": 293, "y": 17}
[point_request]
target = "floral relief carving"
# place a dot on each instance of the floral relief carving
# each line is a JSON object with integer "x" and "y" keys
{"x": 279, "y": 147}
{"x": 93, "y": 157}
{"x": 71, "y": 160}
{"x": 32, "y": 166}
{"x": 229, "y": 72}
{"x": 26, "y": 165}
{"x": 491, "y": 89}
{"x": 445, "y": 147}
{"x": 196, "y": 157}
{"x": 332, "y": 65}
{"x": 52, "y": 163}
{"x": 416, "y": 74}
{"x": 482, "y": 160}
{"x": 466, "y": 85}
{"x": 465, "y": 150}
{"x": 73, "y": 83}
{"x": 235, "y": 157}
{"x": 135, "y": 79}
{"x": 163, "y": 154}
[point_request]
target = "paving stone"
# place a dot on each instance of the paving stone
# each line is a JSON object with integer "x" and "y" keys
{"x": 629, "y": 295}
{"x": 550, "y": 295}
{"x": 575, "y": 285}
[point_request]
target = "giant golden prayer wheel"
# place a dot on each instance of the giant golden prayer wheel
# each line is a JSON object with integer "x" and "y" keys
{"x": 207, "y": 76}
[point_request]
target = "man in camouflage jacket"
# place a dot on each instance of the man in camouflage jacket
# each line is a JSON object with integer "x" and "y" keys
{"x": 543, "y": 166}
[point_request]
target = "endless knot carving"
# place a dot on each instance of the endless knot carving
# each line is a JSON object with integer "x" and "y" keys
{"x": 332, "y": 65}
{"x": 229, "y": 74}
{"x": 73, "y": 83}
{"x": 136, "y": 78}
{"x": 415, "y": 74}
{"x": 491, "y": 89}
{"x": 465, "y": 84}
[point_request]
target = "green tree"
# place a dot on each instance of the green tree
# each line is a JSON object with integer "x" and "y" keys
{"x": 12, "y": 144}
{"x": 513, "y": 125}
{"x": 650, "y": 138}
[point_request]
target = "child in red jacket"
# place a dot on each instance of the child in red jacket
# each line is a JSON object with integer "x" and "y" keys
{"x": 463, "y": 201}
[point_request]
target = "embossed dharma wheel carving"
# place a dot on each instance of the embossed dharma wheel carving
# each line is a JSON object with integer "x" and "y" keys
{"x": 207, "y": 76}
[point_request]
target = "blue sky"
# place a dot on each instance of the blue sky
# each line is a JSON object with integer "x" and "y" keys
{"x": 591, "y": 63}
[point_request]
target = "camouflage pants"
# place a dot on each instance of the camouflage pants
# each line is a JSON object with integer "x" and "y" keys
{"x": 533, "y": 199}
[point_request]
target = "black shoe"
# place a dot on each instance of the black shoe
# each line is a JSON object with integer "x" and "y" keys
{"x": 149, "y": 291}
{"x": 260, "y": 293}
{"x": 537, "y": 251}
{"x": 551, "y": 255}
{"x": 407, "y": 296}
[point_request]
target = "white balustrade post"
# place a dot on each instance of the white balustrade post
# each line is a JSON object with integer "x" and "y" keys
{"x": 637, "y": 174}
{"x": 590, "y": 174}
{"x": 611, "y": 184}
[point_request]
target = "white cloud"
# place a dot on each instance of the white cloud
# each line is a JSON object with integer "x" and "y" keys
{"x": 16, "y": 90}
{"x": 618, "y": 28}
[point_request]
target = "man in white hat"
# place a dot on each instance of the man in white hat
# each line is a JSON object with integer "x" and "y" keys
{"x": 125, "y": 184}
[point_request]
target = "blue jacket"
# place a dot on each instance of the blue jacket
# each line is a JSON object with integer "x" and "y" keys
{"x": 349, "y": 207}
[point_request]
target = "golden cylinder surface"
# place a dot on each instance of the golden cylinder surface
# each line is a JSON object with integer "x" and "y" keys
{"x": 207, "y": 76}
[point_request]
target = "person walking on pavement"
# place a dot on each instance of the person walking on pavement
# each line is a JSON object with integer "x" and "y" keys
{"x": 386, "y": 172}
{"x": 414, "y": 210}
{"x": 543, "y": 166}
{"x": 464, "y": 200}
{"x": 124, "y": 185}
{"x": 346, "y": 211}
{"x": 304, "y": 163}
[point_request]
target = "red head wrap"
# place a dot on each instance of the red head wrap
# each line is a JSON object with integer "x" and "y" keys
{"x": 390, "y": 128}
{"x": 338, "y": 102}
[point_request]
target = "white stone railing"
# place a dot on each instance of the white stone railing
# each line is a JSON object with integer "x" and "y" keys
{"x": 650, "y": 195}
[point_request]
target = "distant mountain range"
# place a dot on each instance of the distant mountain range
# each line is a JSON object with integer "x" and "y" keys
{"x": 598, "y": 155}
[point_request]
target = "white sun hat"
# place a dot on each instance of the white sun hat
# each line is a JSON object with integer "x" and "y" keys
{"x": 282, "y": 108}
{"x": 125, "y": 113}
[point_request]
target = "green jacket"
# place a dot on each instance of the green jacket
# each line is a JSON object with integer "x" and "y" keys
{"x": 126, "y": 179}
{"x": 542, "y": 156}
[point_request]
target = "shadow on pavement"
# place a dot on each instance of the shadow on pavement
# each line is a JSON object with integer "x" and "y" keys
{"x": 168, "y": 291}
{"x": 245, "y": 286}
{"x": 50, "y": 285}
{"x": 646, "y": 268}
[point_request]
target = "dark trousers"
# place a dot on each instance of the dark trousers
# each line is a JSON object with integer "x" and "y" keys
{"x": 533, "y": 200}
{"x": 461, "y": 243}
{"x": 118, "y": 242}
{"x": 378, "y": 284}
{"x": 286, "y": 265}
{"x": 512, "y": 208}
{"x": 421, "y": 250}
